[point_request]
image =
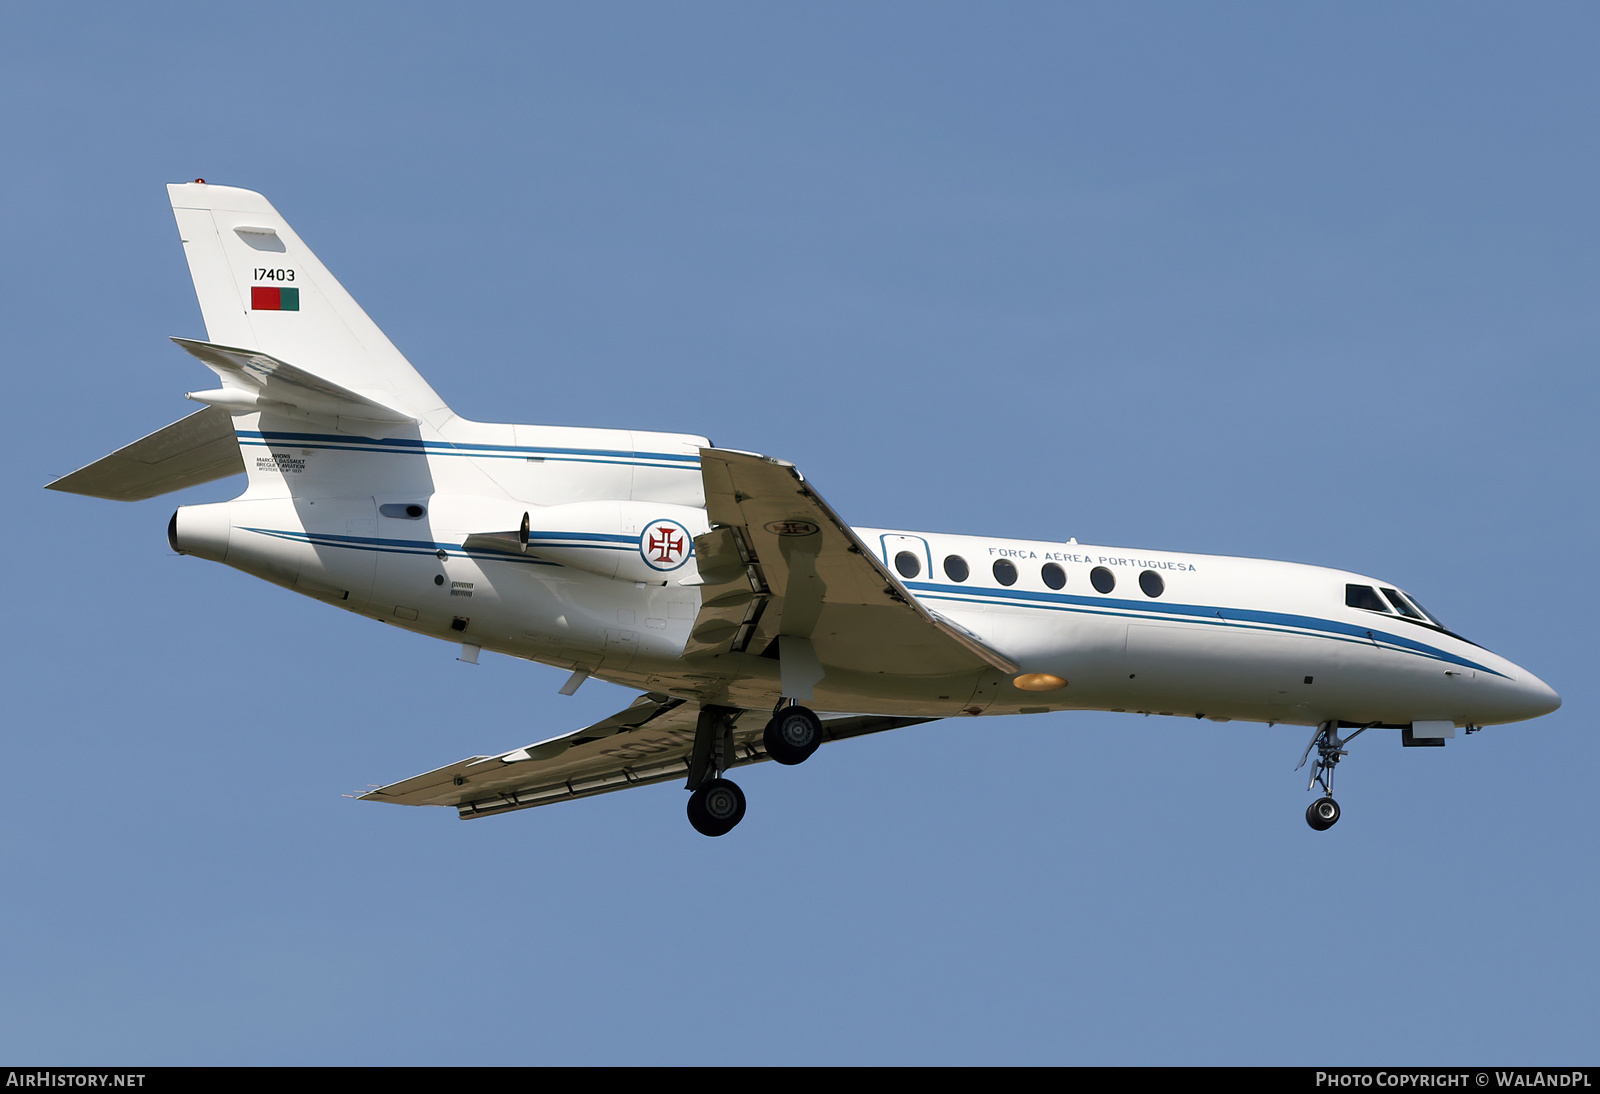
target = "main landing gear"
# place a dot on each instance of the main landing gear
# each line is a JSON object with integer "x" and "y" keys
{"x": 716, "y": 804}
{"x": 1323, "y": 813}
{"x": 793, "y": 735}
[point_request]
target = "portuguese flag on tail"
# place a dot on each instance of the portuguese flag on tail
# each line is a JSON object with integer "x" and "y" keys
{"x": 272, "y": 298}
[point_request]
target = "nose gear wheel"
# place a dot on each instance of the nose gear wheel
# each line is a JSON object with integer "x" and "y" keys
{"x": 1324, "y": 812}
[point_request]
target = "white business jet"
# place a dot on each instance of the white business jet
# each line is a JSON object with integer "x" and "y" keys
{"x": 757, "y": 624}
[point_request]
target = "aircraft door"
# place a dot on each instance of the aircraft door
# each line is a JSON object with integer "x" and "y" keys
{"x": 907, "y": 556}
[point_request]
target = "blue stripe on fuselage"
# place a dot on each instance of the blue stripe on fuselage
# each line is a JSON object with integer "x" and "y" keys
{"x": 394, "y": 546}
{"x": 415, "y": 447}
{"x": 1197, "y": 614}
{"x": 1186, "y": 613}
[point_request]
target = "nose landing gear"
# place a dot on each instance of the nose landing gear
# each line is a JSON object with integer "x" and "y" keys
{"x": 1324, "y": 812}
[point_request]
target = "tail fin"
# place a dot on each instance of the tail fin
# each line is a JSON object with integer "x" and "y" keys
{"x": 262, "y": 289}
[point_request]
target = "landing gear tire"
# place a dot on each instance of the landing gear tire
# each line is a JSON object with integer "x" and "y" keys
{"x": 716, "y": 807}
{"x": 792, "y": 736}
{"x": 1323, "y": 814}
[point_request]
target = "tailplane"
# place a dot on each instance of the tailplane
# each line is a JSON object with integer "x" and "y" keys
{"x": 198, "y": 449}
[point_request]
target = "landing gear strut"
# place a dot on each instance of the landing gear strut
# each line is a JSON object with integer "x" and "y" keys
{"x": 716, "y": 804}
{"x": 1324, "y": 812}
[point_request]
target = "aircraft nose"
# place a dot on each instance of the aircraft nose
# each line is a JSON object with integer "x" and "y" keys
{"x": 1537, "y": 697}
{"x": 1521, "y": 695}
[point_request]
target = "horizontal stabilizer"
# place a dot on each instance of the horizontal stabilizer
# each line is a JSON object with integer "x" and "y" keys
{"x": 254, "y": 381}
{"x": 193, "y": 450}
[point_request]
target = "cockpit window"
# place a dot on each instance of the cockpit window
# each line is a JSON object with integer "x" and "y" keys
{"x": 1398, "y": 603}
{"x": 1364, "y": 596}
{"x": 1401, "y": 604}
{"x": 1426, "y": 613}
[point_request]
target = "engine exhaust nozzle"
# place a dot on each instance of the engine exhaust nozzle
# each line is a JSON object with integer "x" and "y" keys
{"x": 201, "y": 530}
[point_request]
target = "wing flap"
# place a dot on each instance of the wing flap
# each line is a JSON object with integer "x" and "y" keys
{"x": 199, "y": 448}
{"x": 647, "y": 743}
{"x": 581, "y": 754}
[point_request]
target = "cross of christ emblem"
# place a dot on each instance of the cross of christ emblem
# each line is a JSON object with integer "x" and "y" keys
{"x": 665, "y": 544}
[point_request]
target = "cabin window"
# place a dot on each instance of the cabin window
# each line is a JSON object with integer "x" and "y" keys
{"x": 1151, "y": 583}
{"x": 1005, "y": 571}
{"x": 1102, "y": 579}
{"x": 955, "y": 568}
{"x": 907, "y": 564}
{"x": 1364, "y": 596}
{"x": 1401, "y": 604}
{"x": 1054, "y": 576}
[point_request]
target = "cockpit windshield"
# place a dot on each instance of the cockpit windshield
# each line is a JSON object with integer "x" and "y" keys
{"x": 1401, "y": 604}
{"x": 1366, "y": 598}
{"x": 1431, "y": 618}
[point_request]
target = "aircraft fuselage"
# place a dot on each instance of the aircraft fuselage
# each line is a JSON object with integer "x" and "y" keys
{"x": 1150, "y": 632}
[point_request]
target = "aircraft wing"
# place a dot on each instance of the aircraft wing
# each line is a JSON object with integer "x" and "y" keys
{"x": 778, "y": 563}
{"x": 649, "y": 742}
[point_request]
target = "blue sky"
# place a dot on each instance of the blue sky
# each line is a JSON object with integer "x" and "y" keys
{"x": 1313, "y": 282}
